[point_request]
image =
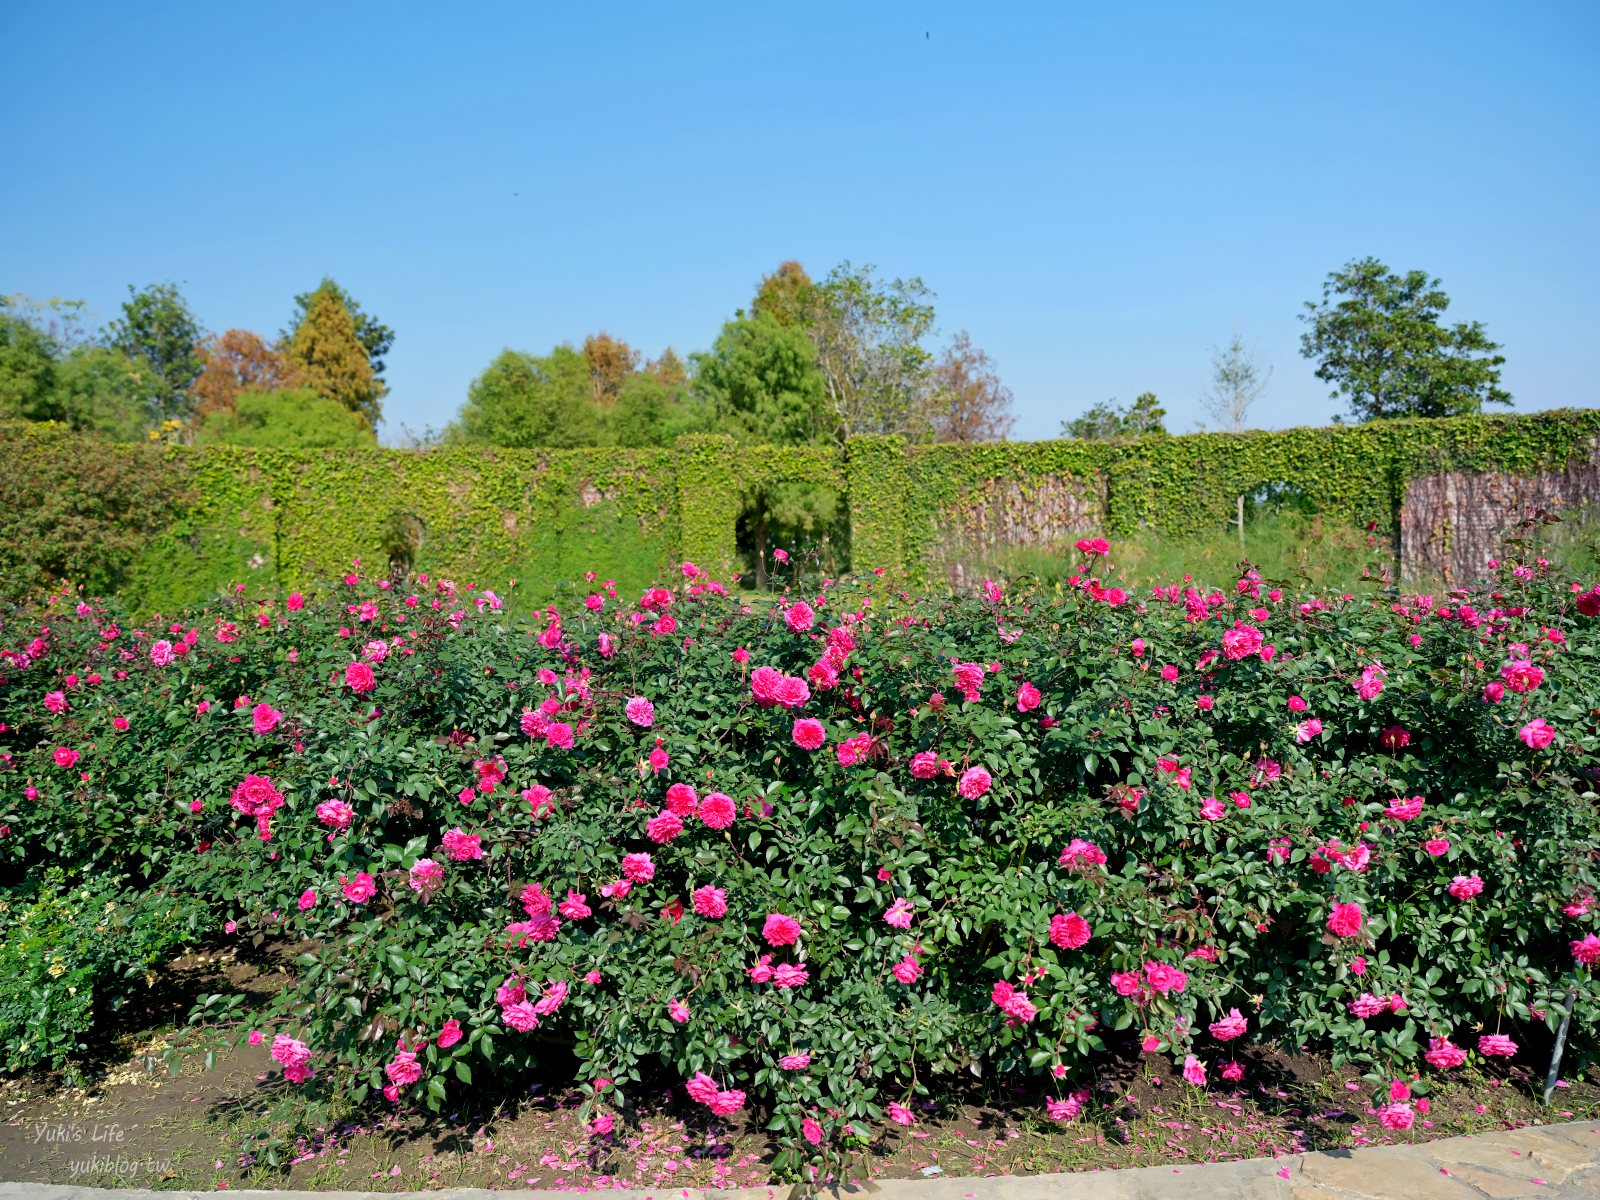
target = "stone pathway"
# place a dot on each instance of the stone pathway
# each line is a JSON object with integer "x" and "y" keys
{"x": 1553, "y": 1162}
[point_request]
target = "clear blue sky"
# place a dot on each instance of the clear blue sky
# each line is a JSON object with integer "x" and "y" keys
{"x": 1097, "y": 192}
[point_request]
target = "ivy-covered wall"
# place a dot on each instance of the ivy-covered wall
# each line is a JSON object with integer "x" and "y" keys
{"x": 961, "y": 499}
{"x": 286, "y": 518}
{"x": 545, "y": 517}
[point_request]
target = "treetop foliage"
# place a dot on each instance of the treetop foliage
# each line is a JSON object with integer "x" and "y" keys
{"x": 1105, "y": 421}
{"x": 1378, "y": 338}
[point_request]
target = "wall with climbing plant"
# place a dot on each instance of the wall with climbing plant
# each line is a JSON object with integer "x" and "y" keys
{"x": 961, "y": 501}
{"x": 286, "y": 518}
{"x": 166, "y": 526}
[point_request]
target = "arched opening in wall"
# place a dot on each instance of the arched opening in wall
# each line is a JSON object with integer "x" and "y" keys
{"x": 1280, "y": 529}
{"x": 402, "y": 542}
{"x": 1277, "y": 499}
{"x": 808, "y": 522}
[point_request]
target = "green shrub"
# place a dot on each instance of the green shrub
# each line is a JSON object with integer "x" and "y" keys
{"x": 449, "y": 809}
{"x": 72, "y": 953}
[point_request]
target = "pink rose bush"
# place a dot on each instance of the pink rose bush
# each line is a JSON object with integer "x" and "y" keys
{"x": 728, "y": 835}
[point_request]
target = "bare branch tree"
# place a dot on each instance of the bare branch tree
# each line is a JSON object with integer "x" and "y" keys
{"x": 1237, "y": 382}
{"x": 970, "y": 404}
{"x": 875, "y": 370}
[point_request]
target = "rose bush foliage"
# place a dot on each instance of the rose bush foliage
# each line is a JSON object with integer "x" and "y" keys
{"x": 71, "y": 954}
{"x": 813, "y": 855}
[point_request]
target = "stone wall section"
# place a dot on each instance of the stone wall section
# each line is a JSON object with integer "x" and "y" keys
{"x": 1453, "y": 522}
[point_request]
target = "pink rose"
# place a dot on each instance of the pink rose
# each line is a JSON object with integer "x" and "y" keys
{"x": 717, "y": 810}
{"x": 1068, "y": 931}
{"x": 1537, "y": 734}
{"x": 359, "y": 678}
{"x": 1344, "y": 920}
{"x": 974, "y": 782}
{"x": 663, "y": 828}
{"x": 1231, "y": 1026}
{"x": 265, "y": 718}
{"x": 809, "y": 734}
{"x": 710, "y": 901}
{"x": 780, "y": 930}
{"x": 1444, "y": 1054}
{"x": 799, "y": 616}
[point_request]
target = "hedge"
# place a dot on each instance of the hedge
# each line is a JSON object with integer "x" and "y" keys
{"x": 284, "y": 517}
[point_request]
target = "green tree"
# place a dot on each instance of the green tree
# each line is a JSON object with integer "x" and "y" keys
{"x": 762, "y": 382}
{"x": 1143, "y": 418}
{"x": 376, "y": 338}
{"x": 64, "y": 323}
{"x": 157, "y": 327}
{"x": 99, "y": 389}
{"x": 51, "y": 370}
{"x": 787, "y": 295}
{"x": 296, "y": 418}
{"x": 526, "y": 400}
{"x": 652, "y": 412}
{"x": 1377, "y": 337}
{"x": 328, "y": 357}
{"x": 762, "y": 379}
{"x": 27, "y": 369}
{"x": 639, "y": 417}
{"x": 876, "y": 372}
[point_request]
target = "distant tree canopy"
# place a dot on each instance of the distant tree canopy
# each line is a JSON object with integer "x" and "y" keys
{"x": 1377, "y": 337}
{"x": 376, "y": 338}
{"x": 969, "y": 403}
{"x": 763, "y": 383}
{"x": 787, "y": 295}
{"x": 239, "y": 361}
{"x": 49, "y": 372}
{"x": 158, "y": 330}
{"x": 526, "y": 400}
{"x": 1105, "y": 421}
{"x": 611, "y": 362}
{"x": 669, "y": 368}
{"x": 27, "y": 369}
{"x": 290, "y": 418}
{"x": 1237, "y": 382}
{"x": 531, "y": 400}
{"x": 876, "y": 370}
{"x": 807, "y": 362}
{"x": 327, "y": 355}
{"x": 154, "y": 372}
{"x": 101, "y": 390}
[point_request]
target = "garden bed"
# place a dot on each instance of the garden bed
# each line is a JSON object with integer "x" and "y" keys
{"x": 127, "y": 1125}
{"x": 831, "y": 879}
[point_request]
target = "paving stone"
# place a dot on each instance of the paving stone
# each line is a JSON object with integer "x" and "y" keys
{"x": 1566, "y": 1157}
{"x": 1559, "y": 1155}
{"x": 1492, "y": 1183}
{"x": 1379, "y": 1174}
{"x": 1551, "y": 1154}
